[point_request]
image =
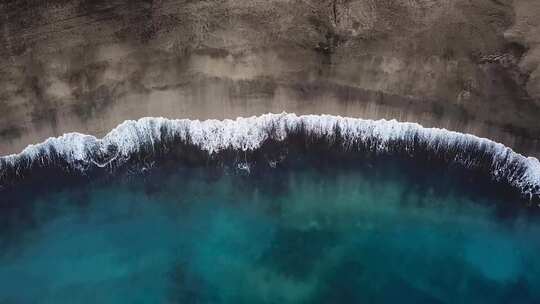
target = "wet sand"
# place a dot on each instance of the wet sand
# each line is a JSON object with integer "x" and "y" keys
{"x": 214, "y": 101}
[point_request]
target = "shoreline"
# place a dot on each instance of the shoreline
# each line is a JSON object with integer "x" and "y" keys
{"x": 135, "y": 108}
{"x": 134, "y": 141}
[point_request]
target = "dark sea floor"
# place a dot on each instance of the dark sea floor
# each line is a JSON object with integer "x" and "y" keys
{"x": 340, "y": 234}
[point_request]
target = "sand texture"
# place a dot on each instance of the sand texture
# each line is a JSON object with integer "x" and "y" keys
{"x": 87, "y": 66}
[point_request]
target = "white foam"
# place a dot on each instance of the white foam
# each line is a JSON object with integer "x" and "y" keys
{"x": 249, "y": 133}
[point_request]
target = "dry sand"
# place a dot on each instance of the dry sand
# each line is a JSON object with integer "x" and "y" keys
{"x": 86, "y": 66}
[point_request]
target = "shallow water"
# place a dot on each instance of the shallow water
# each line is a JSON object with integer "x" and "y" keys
{"x": 335, "y": 235}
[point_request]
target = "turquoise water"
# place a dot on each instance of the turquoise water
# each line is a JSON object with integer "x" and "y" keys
{"x": 333, "y": 235}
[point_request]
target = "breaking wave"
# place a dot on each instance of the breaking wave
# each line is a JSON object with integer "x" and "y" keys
{"x": 142, "y": 141}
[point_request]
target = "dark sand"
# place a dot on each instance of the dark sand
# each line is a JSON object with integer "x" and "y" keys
{"x": 86, "y": 66}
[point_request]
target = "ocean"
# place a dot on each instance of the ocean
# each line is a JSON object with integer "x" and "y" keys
{"x": 303, "y": 217}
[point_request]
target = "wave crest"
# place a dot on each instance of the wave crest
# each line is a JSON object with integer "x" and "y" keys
{"x": 82, "y": 152}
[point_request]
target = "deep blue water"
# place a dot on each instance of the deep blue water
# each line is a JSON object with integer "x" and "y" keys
{"x": 335, "y": 235}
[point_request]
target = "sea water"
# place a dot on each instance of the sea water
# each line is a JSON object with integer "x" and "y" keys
{"x": 297, "y": 234}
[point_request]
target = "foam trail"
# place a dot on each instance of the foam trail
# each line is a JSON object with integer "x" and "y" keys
{"x": 80, "y": 151}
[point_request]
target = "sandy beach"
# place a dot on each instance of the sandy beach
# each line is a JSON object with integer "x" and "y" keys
{"x": 86, "y": 66}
